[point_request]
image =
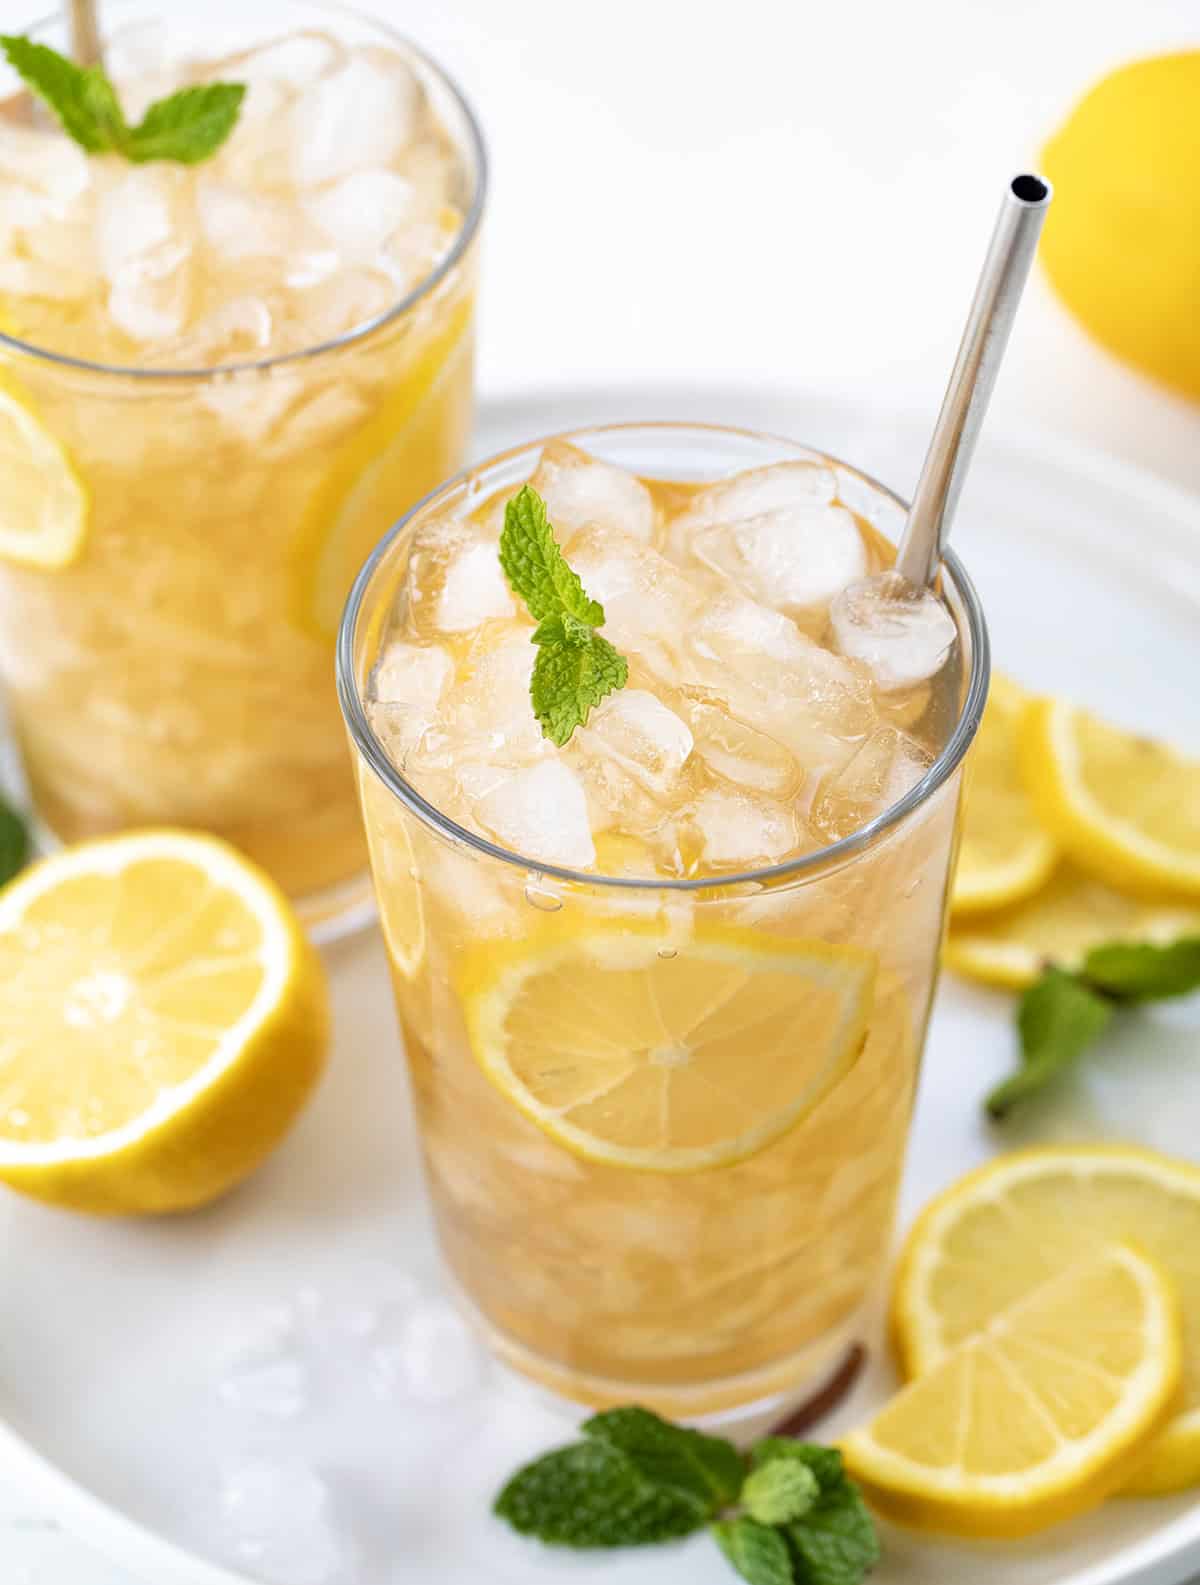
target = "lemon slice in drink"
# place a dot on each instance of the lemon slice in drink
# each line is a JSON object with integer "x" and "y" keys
{"x": 633, "y": 1049}
{"x": 43, "y": 504}
{"x": 1038, "y": 1415}
{"x": 1004, "y": 854}
{"x": 1059, "y": 924}
{"x": 1124, "y": 807}
{"x": 1002, "y": 1231}
{"x": 163, "y": 1020}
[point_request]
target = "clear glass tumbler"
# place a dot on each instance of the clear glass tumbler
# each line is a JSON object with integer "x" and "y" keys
{"x": 700, "y": 1290}
{"x": 179, "y": 669}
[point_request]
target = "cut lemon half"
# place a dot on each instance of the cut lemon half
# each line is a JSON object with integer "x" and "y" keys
{"x": 1004, "y": 854}
{"x": 632, "y": 1049}
{"x": 43, "y": 504}
{"x": 163, "y": 1021}
{"x": 1059, "y": 924}
{"x": 1001, "y": 1232}
{"x": 1124, "y": 807}
{"x": 1038, "y": 1415}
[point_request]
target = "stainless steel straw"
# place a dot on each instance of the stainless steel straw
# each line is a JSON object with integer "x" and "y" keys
{"x": 1005, "y": 271}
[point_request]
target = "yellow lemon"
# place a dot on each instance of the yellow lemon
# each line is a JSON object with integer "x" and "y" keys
{"x": 1037, "y": 1413}
{"x": 1122, "y": 241}
{"x": 1002, "y": 1232}
{"x": 162, "y": 1023}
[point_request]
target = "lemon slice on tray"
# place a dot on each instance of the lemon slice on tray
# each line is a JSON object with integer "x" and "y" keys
{"x": 163, "y": 1021}
{"x": 1037, "y": 1413}
{"x": 634, "y": 1050}
{"x": 1003, "y": 1231}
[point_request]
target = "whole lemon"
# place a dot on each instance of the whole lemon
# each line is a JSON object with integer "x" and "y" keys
{"x": 1122, "y": 241}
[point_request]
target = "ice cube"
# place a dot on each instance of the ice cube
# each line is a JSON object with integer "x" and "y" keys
{"x": 145, "y": 235}
{"x": 580, "y": 492}
{"x": 277, "y": 1389}
{"x": 357, "y": 117}
{"x": 879, "y": 773}
{"x": 779, "y": 487}
{"x": 43, "y": 167}
{"x": 738, "y": 831}
{"x": 151, "y": 298}
{"x": 541, "y": 813}
{"x": 336, "y": 303}
{"x": 278, "y": 1518}
{"x": 903, "y": 634}
{"x": 739, "y": 752}
{"x": 795, "y": 559}
{"x": 648, "y": 602}
{"x": 435, "y": 1357}
{"x": 488, "y": 717}
{"x": 361, "y": 211}
{"x": 235, "y": 330}
{"x": 295, "y": 61}
{"x": 636, "y": 729}
{"x": 240, "y": 225}
{"x": 411, "y": 674}
{"x": 474, "y": 589}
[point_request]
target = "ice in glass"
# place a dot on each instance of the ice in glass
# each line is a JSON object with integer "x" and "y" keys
{"x": 244, "y": 369}
{"x": 664, "y": 988}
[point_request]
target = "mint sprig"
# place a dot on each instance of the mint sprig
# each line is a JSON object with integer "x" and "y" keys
{"x": 14, "y": 842}
{"x": 1064, "y": 1013}
{"x": 186, "y": 127}
{"x": 789, "y": 1515}
{"x": 575, "y": 667}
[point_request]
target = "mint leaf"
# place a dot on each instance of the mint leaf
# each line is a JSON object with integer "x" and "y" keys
{"x": 591, "y": 1495}
{"x": 835, "y": 1543}
{"x": 575, "y": 667}
{"x": 704, "y": 1468}
{"x": 569, "y": 679}
{"x": 1058, "y": 1018}
{"x": 14, "y": 842}
{"x": 188, "y": 126}
{"x": 780, "y": 1490}
{"x": 535, "y": 566}
{"x": 1140, "y": 972}
{"x": 759, "y": 1554}
{"x": 824, "y": 1462}
{"x": 82, "y": 98}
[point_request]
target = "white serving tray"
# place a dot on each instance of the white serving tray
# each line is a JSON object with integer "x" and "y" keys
{"x": 299, "y": 1328}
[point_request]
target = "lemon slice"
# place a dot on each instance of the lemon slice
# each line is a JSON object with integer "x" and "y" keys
{"x": 43, "y": 505}
{"x": 1059, "y": 924}
{"x": 163, "y": 1021}
{"x": 386, "y": 465}
{"x": 1002, "y": 1231}
{"x": 630, "y": 1049}
{"x": 1125, "y": 808}
{"x": 1037, "y": 1416}
{"x": 1004, "y": 854}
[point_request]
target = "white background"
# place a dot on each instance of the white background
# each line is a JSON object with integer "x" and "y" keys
{"x": 773, "y": 191}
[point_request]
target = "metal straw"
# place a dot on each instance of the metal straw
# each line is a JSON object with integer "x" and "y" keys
{"x": 1005, "y": 271}
{"x": 85, "y": 33}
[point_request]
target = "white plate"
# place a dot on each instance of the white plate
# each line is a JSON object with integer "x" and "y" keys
{"x": 119, "y": 1343}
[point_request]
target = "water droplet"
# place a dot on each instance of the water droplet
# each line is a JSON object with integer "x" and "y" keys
{"x": 668, "y": 952}
{"x": 539, "y": 895}
{"x": 414, "y": 873}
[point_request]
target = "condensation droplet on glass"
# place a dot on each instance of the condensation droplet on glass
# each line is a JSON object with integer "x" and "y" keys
{"x": 539, "y": 895}
{"x": 668, "y": 952}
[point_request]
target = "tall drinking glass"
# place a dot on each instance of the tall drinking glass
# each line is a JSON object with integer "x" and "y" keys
{"x": 663, "y": 1117}
{"x": 219, "y": 384}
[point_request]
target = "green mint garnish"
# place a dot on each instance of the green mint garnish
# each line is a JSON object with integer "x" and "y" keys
{"x": 779, "y": 1491}
{"x": 788, "y": 1515}
{"x": 575, "y": 668}
{"x": 757, "y": 1552}
{"x": 1064, "y": 1013}
{"x": 14, "y": 842}
{"x": 186, "y": 127}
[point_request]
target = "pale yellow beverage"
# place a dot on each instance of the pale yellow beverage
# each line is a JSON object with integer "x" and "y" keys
{"x": 219, "y": 384}
{"x": 664, "y": 989}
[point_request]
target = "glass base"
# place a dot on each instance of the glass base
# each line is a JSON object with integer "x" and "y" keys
{"x": 799, "y": 1390}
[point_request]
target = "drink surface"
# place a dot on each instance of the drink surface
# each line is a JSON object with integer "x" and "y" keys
{"x": 336, "y": 195}
{"x": 664, "y": 1127}
{"x": 176, "y": 666}
{"x": 766, "y": 714}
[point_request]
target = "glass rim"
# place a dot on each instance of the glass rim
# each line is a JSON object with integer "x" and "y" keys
{"x": 477, "y": 148}
{"x": 368, "y": 745}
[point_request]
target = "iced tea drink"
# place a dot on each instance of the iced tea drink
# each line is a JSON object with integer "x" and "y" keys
{"x": 664, "y": 988}
{"x": 219, "y": 384}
